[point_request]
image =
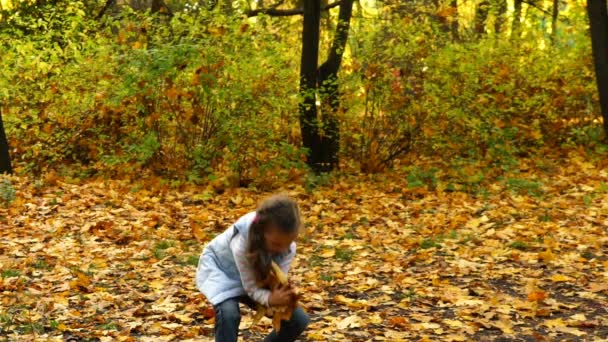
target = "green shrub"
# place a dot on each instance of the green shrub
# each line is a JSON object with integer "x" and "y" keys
{"x": 7, "y": 191}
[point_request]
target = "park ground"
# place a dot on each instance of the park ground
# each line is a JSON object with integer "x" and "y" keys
{"x": 523, "y": 257}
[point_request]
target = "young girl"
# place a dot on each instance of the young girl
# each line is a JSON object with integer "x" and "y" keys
{"x": 236, "y": 261}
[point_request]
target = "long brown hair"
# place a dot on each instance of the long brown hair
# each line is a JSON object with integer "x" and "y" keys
{"x": 280, "y": 211}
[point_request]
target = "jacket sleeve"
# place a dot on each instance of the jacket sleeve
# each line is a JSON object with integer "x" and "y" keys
{"x": 243, "y": 264}
{"x": 285, "y": 264}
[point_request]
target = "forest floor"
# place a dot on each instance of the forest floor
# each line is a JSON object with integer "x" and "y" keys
{"x": 522, "y": 258}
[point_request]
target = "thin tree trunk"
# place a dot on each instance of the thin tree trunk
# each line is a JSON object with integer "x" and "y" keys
{"x": 516, "y": 19}
{"x": 454, "y": 23}
{"x": 554, "y": 15}
{"x": 598, "y": 21}
{"x": 500, "y": 12}
{"x": 109, "y": 3}
{"x": 309, "y": 125}
{"x": 5, "y": 157}
{"x": 159, "y": 6}
{"x": 481, "y": 16}
{"x": 156, "y": 6}
{"x": 329, "y": 92}
{"x": 226, "y": 7}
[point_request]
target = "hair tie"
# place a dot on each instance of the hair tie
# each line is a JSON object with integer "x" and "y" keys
{"x": 256, "y": 218}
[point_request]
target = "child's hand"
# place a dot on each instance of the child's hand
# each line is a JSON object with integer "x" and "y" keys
{"x": 281, "y": 296}
{"x": 292, "y": 286}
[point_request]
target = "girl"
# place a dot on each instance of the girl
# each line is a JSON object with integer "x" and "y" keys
{"x": 236, "y": 261}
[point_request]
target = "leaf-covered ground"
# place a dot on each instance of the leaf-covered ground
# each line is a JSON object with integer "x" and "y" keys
{"x": 524, "y": 258}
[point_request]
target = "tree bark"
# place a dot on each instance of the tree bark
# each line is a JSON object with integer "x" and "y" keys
{"x": 226, "y": 7}
{"x": 481, "y": 16}
{"x": 516, "y": 18}
{"x": 106, "y": 7}
{"x": 5, "y": 157}
{"x": 159, "y": 6}
{"x": 309, "y": 123}
{"x": 597, "y": 11}
{"x": 500, "y": 9}
{"x": 454, "y": 23}
{"x": 554, "y": 15}
{"x": 329, "y": 92}
{"x": 320, "y": 137}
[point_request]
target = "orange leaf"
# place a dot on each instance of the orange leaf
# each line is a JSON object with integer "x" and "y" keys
{"x": 197, "y": 231}
{"x": 537, "y": 296}
{"x": 398, "y": 321}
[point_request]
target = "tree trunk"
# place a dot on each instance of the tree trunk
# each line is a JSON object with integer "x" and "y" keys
{"x": 5, "y": 157}
{"x": 159, "y": 6}
{"x": 598, "y": 20}
{"x": 454, "y": 23}
{"x": 226, "y": 7}
{"x": 500, "y": 10}
{"x": 481, "y": 16}
{"x": 554, "y": 15}
{"x": 516, "y": 18}
{"x": 105, "y": 8}
{"x": 309, "y": 123}
{"x": 329, "y": 92}
{"x": 156, "y": 6}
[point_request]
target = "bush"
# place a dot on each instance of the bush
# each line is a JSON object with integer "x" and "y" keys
{"x": 201, "y": 96}
{"x": 411, "y": 89}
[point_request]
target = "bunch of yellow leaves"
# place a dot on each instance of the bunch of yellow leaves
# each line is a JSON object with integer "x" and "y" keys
{"x": 276, "y": 278}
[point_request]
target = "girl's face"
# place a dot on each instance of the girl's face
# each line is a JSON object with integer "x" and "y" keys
{"x": 277, "y": 241}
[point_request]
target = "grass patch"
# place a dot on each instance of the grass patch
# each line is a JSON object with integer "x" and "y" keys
{"x": 314, "y": 181}
{"x": 524, "y": 186}
{"x": 350, "y": 236}
{"x": 344, "y": 255}
{"x": 471, "y": 237}
{"x": 327, "y": 277}
{"x": 545, "y": 217}
{"x": 7, "y": 192}
{"x": 192, "y": 260}
{"x": 520, "y": 245}
{"x": 588, "y": 200}
{"x": 410, "y": 294}
{"x": 315, "y": 260}
{"x": 42, "y": 265}
{"x": 430, "y": 243}
{"x": 109, "y": 326}
{"x": 29, "y": 328}
{"x": 418, "y": 177}
{"x": 161, "y": 247}
{"x": 13, "y": 321}
{"x": 588, "y": 255}
{"x": 10, "y": 273}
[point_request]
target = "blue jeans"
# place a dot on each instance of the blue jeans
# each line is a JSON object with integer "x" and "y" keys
{"x": 228, "y": 317}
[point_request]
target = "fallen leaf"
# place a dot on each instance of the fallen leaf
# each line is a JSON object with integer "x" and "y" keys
{"x": 352, "y": 321}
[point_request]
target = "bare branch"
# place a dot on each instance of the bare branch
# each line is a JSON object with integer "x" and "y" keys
{"x": 273, "y": 12}
{"x": 532, "y": 4}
